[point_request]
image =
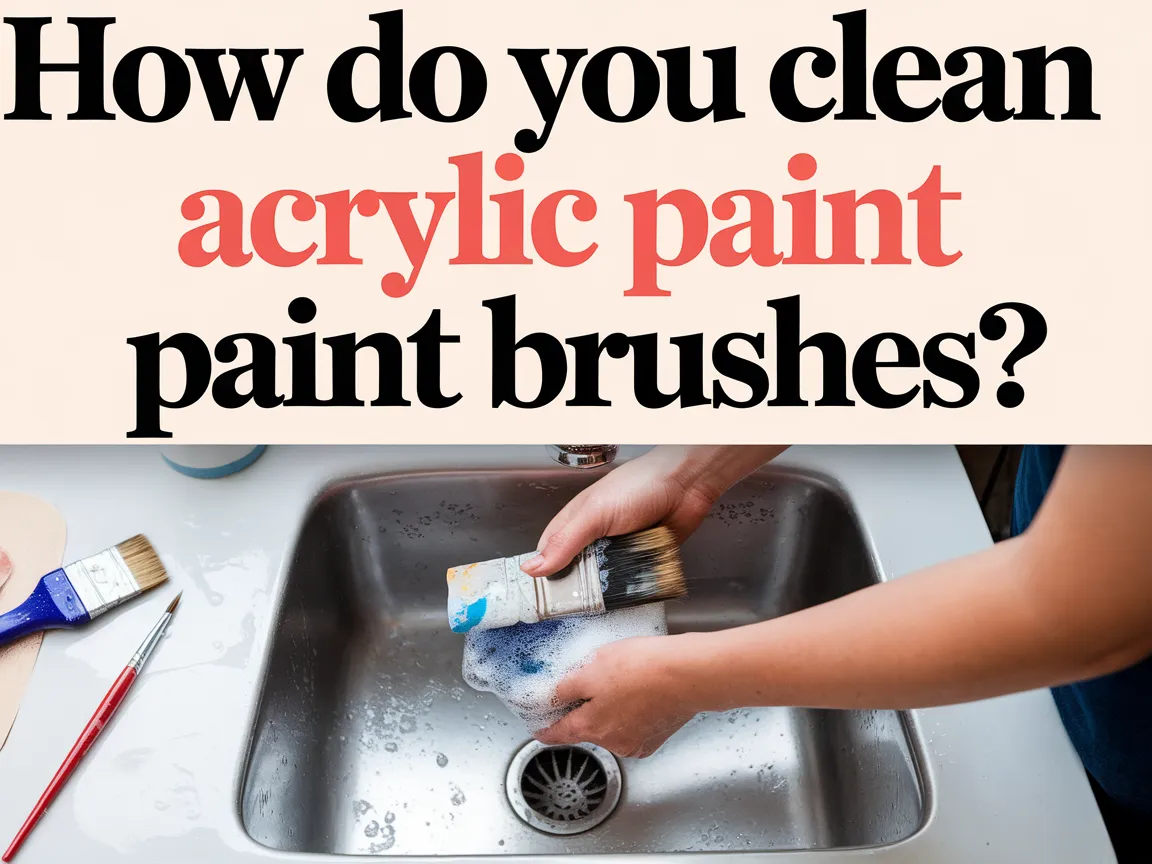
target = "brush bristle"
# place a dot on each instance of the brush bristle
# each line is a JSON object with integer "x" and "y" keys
{"x": 643, "y": 567}
{"x": 143, "y": 561}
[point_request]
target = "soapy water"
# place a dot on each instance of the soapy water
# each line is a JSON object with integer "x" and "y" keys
{"x": 522, "y": 665}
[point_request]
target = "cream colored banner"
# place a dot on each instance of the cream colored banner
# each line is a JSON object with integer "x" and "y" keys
{"x": 108, "y": 250}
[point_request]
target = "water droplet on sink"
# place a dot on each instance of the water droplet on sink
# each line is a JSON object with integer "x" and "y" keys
{"x": 441, "y": 759}
{"x": 407, "y": 723}
{"x": 360, "y": 807}
{"x": 387, "y": 840}
{"x": 389, "y": 817}
{"x": 391, "y": 746}
{"x": 457, "y": 796}
{"x": 372, "y": 829}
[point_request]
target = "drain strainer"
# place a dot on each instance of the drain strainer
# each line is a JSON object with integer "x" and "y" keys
{"x": 563, "y": 790}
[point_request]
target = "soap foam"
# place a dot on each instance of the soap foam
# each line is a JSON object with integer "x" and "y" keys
{"x": 523, "y": 664}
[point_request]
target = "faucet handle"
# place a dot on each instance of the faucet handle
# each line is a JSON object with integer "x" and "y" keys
{"x": 583, "y": 455}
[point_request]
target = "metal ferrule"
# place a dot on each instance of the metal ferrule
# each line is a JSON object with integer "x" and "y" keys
{"x": 102, "y": 581}
{"x": 149, "y": 644}
{"x": 575, "y": 591}
{"x": 583, "y": 455}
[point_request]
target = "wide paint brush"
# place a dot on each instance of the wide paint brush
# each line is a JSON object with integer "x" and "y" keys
{"x": 74, "y": 595}
{"x": 613, "y": 573}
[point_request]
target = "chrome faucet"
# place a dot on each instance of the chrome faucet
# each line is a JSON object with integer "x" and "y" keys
{"x": 583, "y": 455}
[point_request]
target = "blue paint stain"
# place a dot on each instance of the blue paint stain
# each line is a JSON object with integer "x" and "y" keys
{"x": 471, "y": 615}
{"x": 521, "y": 648}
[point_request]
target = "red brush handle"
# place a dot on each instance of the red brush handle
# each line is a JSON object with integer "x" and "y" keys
{"x": 108, "y": 706}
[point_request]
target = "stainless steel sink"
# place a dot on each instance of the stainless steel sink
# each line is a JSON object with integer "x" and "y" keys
{"x": 367, "y": 741}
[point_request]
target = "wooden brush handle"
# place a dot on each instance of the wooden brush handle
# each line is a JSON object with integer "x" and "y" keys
{"x": 104, "y": 712}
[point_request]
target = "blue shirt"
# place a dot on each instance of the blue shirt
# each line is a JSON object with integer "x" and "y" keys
{"x": 1109, "y": 719}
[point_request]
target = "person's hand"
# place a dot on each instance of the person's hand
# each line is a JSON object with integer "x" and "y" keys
{"x": 639, "y": 494}
{"x": 636, "y": 698}
{"x": 672, "y": 486}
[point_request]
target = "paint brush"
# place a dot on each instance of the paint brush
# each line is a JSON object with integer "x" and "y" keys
{"x": 612, "y": 573}
{"x": 75, "y": 594}
{"x": 112, "y": 700}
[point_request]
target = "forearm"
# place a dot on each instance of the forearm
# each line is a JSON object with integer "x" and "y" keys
{"x": 966, "y": 630}
{"x": 1070, "y": 600}
{"x": 712, "y": 470}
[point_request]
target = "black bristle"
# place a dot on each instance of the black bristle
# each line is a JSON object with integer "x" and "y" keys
{"x": 643, "y": 567}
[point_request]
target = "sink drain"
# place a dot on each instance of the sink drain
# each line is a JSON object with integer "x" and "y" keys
{"x": 563, "y": 790}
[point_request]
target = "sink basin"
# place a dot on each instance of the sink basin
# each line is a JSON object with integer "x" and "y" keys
{"x": 367, "y": 741}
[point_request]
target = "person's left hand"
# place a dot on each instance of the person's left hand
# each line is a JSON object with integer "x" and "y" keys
{"x": 636, "y": 698}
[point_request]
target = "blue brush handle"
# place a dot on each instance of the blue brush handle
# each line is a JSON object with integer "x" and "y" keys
{"x": 52, "y": 605}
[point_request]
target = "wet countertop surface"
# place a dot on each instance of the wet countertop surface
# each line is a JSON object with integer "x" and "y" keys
{"x": 162, "y": 783}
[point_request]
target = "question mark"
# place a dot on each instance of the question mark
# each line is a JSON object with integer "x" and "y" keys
{"x": 993, "y": 327}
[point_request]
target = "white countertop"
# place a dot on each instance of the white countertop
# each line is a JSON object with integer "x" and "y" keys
{"x": 162, "y": 782}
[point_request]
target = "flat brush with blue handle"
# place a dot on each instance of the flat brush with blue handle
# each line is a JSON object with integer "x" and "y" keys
{"x": 74, "y": 595}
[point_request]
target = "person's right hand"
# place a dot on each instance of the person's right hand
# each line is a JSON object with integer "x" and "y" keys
{"x": 672, "y": 486}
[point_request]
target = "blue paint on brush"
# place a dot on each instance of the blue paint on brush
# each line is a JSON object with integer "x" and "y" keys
{"x": 471, "y": 615}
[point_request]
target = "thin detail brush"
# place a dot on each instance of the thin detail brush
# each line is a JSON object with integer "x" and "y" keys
{"x": 75, "y": 594}
{"x": 613, "y": 573}
{"x": 112, "y": 700}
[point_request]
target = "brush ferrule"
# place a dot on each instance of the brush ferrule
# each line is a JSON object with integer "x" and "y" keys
{"x": 150, "y": 642}
{"x": 574, "y": 591}
{"x": 102, "y": 581}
